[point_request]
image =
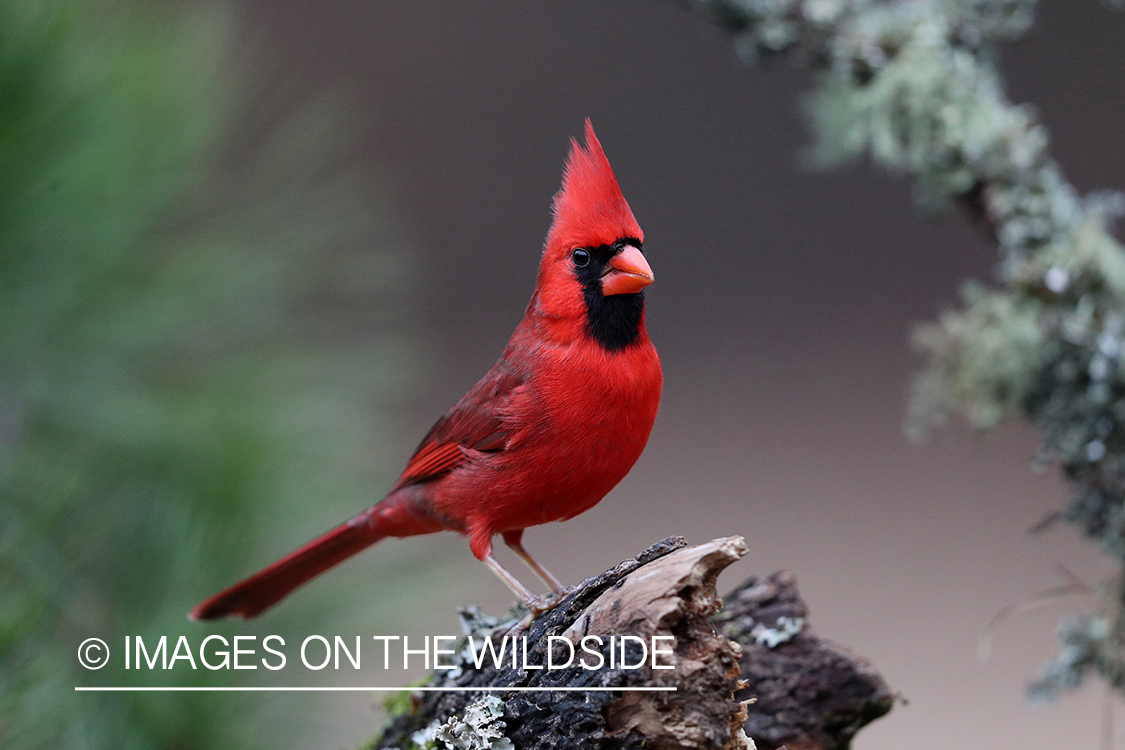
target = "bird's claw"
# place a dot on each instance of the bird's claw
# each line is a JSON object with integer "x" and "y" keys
{"x": 518, "y": 629}
{"x": 537, "y": 605}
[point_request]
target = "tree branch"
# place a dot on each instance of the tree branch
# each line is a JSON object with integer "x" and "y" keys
{"x": 915, "y": 86}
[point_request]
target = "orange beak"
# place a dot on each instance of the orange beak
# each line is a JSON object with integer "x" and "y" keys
{"x": 628, "y": 273}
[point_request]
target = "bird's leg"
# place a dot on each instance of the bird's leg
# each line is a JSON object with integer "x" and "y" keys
{"x": 514, "y": 540}
{"x": 534, "y": 603}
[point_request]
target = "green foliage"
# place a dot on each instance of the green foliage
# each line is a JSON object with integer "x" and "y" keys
{"x": 913, "y": 84}
{"x": 397, "y": 704}
{"x": 167, "y": 387}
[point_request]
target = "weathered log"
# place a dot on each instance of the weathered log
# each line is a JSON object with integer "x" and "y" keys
{"x": 667, "y": 591}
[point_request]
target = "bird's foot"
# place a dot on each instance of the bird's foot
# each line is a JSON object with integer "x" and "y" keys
{"x": 536, "y": 605}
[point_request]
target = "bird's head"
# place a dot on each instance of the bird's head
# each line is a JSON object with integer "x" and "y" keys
{"x": 593, "y": 266}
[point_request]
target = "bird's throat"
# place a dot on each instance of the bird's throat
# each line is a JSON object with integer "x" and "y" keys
{"x": 614, "y": 321}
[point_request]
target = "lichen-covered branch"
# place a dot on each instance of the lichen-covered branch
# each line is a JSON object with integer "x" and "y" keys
{"x": 709, "y": 673}
{"x": 913, "y": 84}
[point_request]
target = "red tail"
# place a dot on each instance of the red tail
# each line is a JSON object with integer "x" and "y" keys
{"x": 267, "y": 587}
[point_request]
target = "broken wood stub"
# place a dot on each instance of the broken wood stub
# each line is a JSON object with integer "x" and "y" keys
{"x": 674, "y": 596}
{"x": 811, "y": 694}
{"x": 667, "y": 590}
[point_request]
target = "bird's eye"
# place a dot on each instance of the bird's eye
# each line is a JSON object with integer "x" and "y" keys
{"x": 580, "y": 258}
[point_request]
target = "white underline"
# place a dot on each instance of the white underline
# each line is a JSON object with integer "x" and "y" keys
{"x": 566, "y": 689}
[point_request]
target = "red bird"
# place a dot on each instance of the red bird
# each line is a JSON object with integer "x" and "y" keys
{"x": 547, "y": 432}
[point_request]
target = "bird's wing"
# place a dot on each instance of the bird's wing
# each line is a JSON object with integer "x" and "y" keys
{"x": 476, "y": 423}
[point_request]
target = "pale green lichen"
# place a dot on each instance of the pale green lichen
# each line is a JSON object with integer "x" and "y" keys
{"x": 480, "y": 727}
{"x": 986, "y": 360}
{"x": 783, "y": 631}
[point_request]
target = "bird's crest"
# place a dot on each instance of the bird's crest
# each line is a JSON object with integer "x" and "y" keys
{"x": 590, "y": 210}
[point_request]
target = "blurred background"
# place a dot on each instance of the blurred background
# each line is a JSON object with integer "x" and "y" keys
{"x": 250, "y": 251}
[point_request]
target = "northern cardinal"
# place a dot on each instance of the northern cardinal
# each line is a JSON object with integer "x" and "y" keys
{"x": 554, "y": 425}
